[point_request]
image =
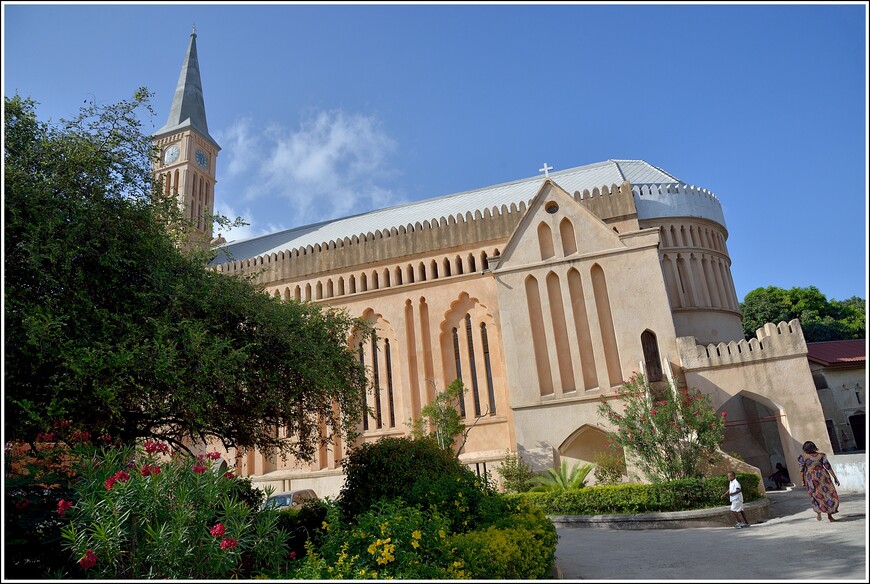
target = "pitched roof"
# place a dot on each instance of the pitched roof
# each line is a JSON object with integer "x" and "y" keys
{"x": 656, "y": 193}
{"x": 828, "y": 353}
{"x": 188, "y": 105}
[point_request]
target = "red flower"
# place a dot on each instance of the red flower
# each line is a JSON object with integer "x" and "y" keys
{"x": 23, "y": 503}
{"x": 89, "y": 560}
{"x": 151, "y": 447}
{"x": 63, "y": 506}
{"x": 292, "y": 555}
{"x": 723, "y": 414}
{"x": 47, "y": 437}
{"x": 106, "y": 438}
{"x": 79, "y": 436}
{"x": 121, "y": 475}
{"x": 218, "y": 530}
{"x": 653, "y": 412}
{"x": 199, "y": 468}
{"x": 229, "y": 475}
{"x": 150, "y": 470}
{"x": 213, "y": 455}
{"x": 228, "y": 543}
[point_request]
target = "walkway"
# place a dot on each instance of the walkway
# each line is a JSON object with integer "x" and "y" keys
{"x": 791, "y": 545}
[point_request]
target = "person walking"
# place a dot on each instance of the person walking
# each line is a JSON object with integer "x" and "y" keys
{"x": 819, "y": 479}
{"x": 736, "y": 494}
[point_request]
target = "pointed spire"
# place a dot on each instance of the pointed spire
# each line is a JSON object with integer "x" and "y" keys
{"x": 188, "y": 106}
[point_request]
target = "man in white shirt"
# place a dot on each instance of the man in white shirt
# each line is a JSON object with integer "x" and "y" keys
{"x": 736, "y": 495}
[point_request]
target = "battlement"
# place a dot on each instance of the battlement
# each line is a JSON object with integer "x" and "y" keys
{"x": 383, "y": 244}
{"x": 772, "y": 341}
{"x": 677, "y": 200}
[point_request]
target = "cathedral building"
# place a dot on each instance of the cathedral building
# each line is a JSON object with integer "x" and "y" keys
{"x": 540, "y": 294}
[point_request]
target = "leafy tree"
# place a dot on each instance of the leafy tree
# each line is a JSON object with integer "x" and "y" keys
{"x": 562, "y": 479}
{"x": 671, "y": 433}
{"x": 111, "y": 326}
{"x": 821, "y": 320}
{"x": 442, "y": 421}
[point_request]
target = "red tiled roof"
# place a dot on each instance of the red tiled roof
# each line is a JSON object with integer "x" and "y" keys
{"x": 838, "y": 352}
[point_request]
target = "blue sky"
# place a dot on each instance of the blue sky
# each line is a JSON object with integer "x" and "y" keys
{"x": 324, "y": 111}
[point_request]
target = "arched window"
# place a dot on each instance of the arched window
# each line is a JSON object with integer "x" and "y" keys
{"x": 651, "y": 356}
{"x": 488, "y": 364}
{"x": 446, "y": 267}
{"x": 377, "y": 382}
{"x": 545, "y": 241}
{"x": 458, "y": 363}
{"x": 390, "y": 383}
{"x": 362, "y": 362}
{"x": 475, "y": 390}
{"x": 434, "y": 270}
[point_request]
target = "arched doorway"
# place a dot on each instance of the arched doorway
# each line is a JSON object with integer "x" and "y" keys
{"x": 857, "y": 421}
{"x": 583, "y": 445}
{"x": 754, "y": 432}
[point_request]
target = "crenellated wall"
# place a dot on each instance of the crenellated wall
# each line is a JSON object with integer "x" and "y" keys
{"x": 381, "y": 245}
{"x": 677, "y": 200}
{"x": 772, "y": 341}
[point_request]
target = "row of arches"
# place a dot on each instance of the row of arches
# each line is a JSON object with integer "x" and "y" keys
{"x": 561, "y": 324}
{"x": 388, "y": 277}
{"x": 678, "y": 235}
{"x": 698, "y": 280}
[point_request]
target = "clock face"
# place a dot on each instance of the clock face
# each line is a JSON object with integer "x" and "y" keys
{"x": 170, "y": 155}
{"x": 202, "y": 158}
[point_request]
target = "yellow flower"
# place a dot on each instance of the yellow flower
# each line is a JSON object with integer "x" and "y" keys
{"x": 373, "y": 549}
{"x": 442, "y": 534}
{"x": 325, "y": 526}
{"x": 414, "y": 544}
{"x": 416, "y": 534}
{"x": 457, "y": 564}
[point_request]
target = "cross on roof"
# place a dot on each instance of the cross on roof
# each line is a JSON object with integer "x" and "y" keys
{"x": 546, "y": 170}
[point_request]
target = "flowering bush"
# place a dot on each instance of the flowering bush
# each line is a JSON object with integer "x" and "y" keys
{"x": 390, "y": 540}
{"x": 138, "y": 515}
{"x": 670, "y": 432}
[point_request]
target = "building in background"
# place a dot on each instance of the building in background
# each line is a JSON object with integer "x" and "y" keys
{"x": 540, "y": 294}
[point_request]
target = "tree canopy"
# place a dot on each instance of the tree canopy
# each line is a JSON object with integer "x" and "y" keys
{"x": 109, "y": 325}
{"x": 821, "y": 319}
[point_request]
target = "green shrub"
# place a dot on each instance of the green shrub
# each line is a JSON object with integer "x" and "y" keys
{"x": 521, "y": 546}
{"x": 136, "y": 515}
{"x": 390, "y": 540}
{"x": 418, "y": 472}
{"x": 609, "y": 467}
{"x": 680, "y": 495}
{"x": 302, "y": 525}
{"x": 516, "y": 473}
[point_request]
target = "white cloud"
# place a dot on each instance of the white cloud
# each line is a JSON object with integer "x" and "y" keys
{"x": 335, "y": 164}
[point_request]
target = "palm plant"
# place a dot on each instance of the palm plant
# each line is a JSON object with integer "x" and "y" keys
{"x": 562, "y": 479}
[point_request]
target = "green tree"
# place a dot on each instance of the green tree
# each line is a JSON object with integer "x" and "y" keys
{"x": 442, "y": 421}
{"x": 821, "y": 320}
{"x": 110, "y": 326}
{"x": 561, "y": 479}
{"x": 671, "y": 433}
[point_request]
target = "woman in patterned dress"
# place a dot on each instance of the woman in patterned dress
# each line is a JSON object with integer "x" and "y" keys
{"x": 816, "y": 476}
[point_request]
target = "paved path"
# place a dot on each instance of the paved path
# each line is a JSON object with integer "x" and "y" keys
{"x": 790, "y": 545}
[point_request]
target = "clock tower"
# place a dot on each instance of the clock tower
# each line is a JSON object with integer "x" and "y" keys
{"x": 188, "y": 154}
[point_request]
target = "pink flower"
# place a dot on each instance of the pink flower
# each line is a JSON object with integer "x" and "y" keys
{"x": 63, "y": 506}
{"x": 218, "y": 530}
{"x": 228, "y": 543}
{"x": 723, "y": 414}
{"x": 199, "y": 468}
{"x": 89, "y": 560}
{"x": 213, "y": 455}
{"x": 229, "y": 475}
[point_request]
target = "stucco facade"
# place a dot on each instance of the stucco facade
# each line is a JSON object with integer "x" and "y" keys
{"x": 540, "y": 295}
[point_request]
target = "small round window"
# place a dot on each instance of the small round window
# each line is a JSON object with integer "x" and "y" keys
{"x": 551, "y": 207}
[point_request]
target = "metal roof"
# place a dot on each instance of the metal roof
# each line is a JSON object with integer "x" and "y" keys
{"x": 188, "y": 105}
{"x": 849, "y": 352}
{"x": 611, "y": 172}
